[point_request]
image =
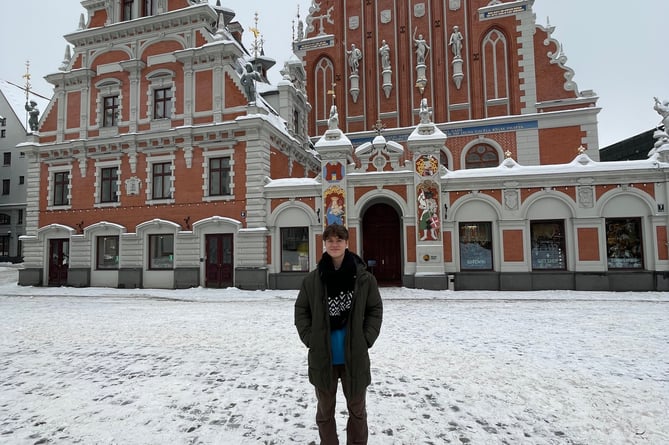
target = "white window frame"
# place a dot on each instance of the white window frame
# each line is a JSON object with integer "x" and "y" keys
{"x": 99, "y": 165}
{"x": 150, "y": 161}
{"x": 106, "y": 88}
{"x": 226, "y": 153}
{"x": 53, "y": 169}
{"x": 160, "y": 79}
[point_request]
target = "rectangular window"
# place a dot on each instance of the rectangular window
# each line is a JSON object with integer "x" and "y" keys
{"x": 4, "y": 245}
{"x": 161, "y": 251}
{"x": 22, "y": 180}
{"x": 624, "y": 247}
{"x": 61, "y": 184}
{"x": 110, "y": 111}
{"x": 3, "y": 121}
{"x": 5, "y": 186}
{"x": 476, "y": 246}
{"x": 107, "y": 252}
{"x": 7, "y": 158}
{"x": 219, "y": 176}
{"x": 548, "y": 245}
{"x": 3, "y": 133}
{"x": 126, "y": 9}
{"x": 20, "y": 218}
{"x": 295, "y": 249}
{"x": 161, "y": 180}
{"x": 148, "y": 7}
{"x": 108, "y": 184}
{"x": 162, "y": 103}
{"x": 5, "y": 219}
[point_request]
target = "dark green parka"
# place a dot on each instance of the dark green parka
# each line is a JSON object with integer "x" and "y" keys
{"x": 364, "y": 324}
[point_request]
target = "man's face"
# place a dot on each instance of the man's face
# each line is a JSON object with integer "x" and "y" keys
{"x": 336, "y": 247}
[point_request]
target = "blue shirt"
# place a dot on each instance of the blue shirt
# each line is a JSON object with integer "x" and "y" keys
{"x": 337, "y": 340}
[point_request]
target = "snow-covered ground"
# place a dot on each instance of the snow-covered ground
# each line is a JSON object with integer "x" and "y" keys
{"x": 203, "y": 366}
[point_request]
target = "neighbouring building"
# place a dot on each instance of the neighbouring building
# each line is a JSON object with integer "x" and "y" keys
{"x": 632, "y": 148}
{"x": 449, "y": 137}
{"x": 12, "y": 175}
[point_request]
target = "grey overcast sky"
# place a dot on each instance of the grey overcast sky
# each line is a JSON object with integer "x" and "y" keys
{"x": 618, "y": 49}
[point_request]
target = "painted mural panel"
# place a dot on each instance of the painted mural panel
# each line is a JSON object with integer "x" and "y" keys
{"x": 428, "y": 211}
{"x": 334, "y": 198}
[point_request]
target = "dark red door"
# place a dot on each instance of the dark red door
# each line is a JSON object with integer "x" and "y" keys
{"x": 381, "y": 244}
{"x": 219, "y": 262}
{"x": 59, "y": 256}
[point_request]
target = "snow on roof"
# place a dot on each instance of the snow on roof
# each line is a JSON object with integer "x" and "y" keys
{"x": 582, "y": 163}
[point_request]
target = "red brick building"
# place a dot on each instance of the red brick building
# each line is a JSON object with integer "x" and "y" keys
{"x": 456, "y": 156}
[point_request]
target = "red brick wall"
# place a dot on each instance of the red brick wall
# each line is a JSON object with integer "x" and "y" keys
{"x": 513, "y": 245}
{"x": 588, "y": 244}
{"x": 662, "y": 253}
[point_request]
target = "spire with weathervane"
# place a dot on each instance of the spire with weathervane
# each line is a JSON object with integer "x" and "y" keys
{"x": 257, "y": 45}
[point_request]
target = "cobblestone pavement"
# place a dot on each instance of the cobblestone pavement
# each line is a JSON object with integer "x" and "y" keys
{"x": 112, "y": 370}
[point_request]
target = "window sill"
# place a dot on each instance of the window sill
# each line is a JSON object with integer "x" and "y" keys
{"x": 218, "y": 198}
{"x": 102, "y": 205}
{"x": 161, "y": 124}
{"x": 154, "y": 202}
{"x": 109, "y": 131}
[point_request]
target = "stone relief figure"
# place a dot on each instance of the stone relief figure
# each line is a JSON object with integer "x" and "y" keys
{"x": 249, "y": 78}
{"x": 663, "y": 110}
{"x": 300, "y": 30}
{"x": 333, "y": 120}
{"x": 421, "y": 47}
{"x": 33, "y": 113}
{"x": 385, "y": 55}
{"x": 424, "y": 112}
{"x": 354, "y": 56}
{"x": 455, "y": 42}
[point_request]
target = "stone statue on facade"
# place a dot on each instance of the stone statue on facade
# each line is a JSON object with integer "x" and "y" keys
{"x": 455, "y": 42}
{"x": 248, "y": 79}
{"x": 354, "y": 56}
{"x": 33, "y": 113}
{"x": 384, "y": 51}
{"x": 421, "y": 47}
{"x": 424, "y": 112}
{"x": 333, "y": 120}
{"x": 663, "y": 110}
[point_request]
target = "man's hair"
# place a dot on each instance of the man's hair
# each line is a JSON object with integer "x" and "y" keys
{"x": 335, "y": 230}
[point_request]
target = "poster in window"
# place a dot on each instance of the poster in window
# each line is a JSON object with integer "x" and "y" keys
{"x": 548, "y": 245}
{"x": 623, "y": 243}
{"x": 476, "y": 246}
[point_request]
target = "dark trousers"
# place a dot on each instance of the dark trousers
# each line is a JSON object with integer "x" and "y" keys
{"x": 356, "y": 427}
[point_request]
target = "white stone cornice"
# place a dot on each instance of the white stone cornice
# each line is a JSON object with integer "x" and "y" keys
{"x": 173, "y": 21}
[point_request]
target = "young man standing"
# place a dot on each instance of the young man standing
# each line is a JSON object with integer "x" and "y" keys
{"x": 338, "y": 315}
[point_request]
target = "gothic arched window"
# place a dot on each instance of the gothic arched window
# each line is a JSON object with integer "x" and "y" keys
{"x": 495, "y": 73}
{"x": 324, "y": 78}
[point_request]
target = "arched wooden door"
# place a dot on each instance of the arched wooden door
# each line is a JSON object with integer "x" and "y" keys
{"x": 381, "y": 244}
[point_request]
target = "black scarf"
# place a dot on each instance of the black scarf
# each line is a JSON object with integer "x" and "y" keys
{"x": 340, "y": 284}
